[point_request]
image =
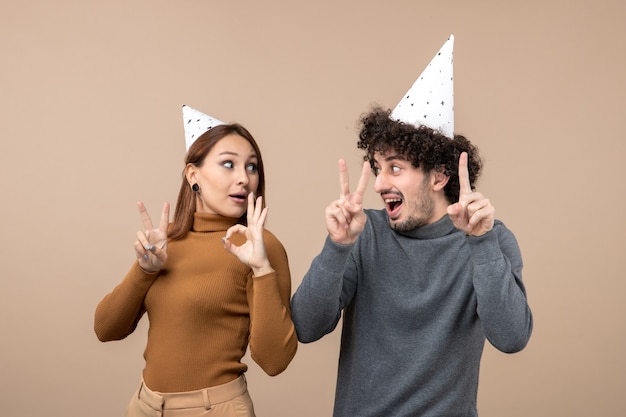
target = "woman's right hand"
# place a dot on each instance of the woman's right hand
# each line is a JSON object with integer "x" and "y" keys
{"x": 151, "y": 244}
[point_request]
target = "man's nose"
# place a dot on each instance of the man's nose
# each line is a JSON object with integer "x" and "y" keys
{"x": 381, "y": 183}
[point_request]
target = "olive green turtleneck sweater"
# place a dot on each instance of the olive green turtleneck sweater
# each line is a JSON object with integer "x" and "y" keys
{"x": 204, "y": 308}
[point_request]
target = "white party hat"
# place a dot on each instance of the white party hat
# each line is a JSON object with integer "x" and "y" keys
{"x": 430, "y": 101}
{"x": 196, "y": 123}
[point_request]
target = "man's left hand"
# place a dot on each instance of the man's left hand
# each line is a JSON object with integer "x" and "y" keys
{"x": 473, "y": 213}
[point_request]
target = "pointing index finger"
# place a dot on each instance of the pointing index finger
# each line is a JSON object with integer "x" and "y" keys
{"x": 165, "y": 218}
{"x": 344, "y": 181}
{"x": 145, "y": 217}
{"x": 365, "y": 177}
{"x": 464, "y": 181}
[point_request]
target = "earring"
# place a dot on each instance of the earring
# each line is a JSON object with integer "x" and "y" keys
{"x": 195, "y": 187}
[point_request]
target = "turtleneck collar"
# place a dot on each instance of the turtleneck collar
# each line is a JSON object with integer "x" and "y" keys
{"x": 205, "y": 222}
{"x": 441, "y": 227}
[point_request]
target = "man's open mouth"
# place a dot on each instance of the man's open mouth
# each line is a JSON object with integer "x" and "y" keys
{"x": 393, "y": 205}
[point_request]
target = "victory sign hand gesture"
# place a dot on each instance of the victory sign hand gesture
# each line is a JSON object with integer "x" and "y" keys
{"x": 473, "y": 213}
{"x": 252, "y": 252}
{"x": 345, "y": 218}
{"x": 151, "y": 244}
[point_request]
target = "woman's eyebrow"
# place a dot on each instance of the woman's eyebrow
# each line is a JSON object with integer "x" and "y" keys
{"x": 251, "y": 155}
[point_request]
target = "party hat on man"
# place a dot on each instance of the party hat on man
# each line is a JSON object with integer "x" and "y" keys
{"x": 196, "y": 123}
{"x": 430, "y": 101}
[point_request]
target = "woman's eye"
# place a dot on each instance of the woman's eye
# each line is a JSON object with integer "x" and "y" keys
{"x": 252, "y": 167}
{"x": 228, "y": 164}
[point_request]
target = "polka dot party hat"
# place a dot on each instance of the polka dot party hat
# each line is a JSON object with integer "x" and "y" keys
{"x": 430, "y": 101}
{"x": 196, "y": 123}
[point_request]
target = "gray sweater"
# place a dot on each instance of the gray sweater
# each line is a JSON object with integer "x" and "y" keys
{"x": 417, "y": 308}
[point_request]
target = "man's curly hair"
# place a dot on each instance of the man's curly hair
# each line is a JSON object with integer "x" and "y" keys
{"x": 424, "y": 147}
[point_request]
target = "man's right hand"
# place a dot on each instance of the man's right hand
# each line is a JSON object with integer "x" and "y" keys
{"x": 345, "y": 218}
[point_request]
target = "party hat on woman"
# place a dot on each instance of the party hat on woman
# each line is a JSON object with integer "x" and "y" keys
{"x": 196, "y": 123}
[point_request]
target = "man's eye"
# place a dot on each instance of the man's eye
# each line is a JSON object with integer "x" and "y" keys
{"x": 252, "y": 167}
{"x": 228, "y": 164}
{"x": 376, "y": 170}
{"x": 395, "y": 169}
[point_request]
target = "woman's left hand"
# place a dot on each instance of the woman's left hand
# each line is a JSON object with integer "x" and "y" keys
{"x": 252, "y": 252}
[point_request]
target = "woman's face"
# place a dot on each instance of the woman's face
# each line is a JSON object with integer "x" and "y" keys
{"x": 227, "y": 175}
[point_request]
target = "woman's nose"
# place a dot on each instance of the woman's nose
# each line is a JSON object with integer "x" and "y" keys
{"x": 243, "y": 178}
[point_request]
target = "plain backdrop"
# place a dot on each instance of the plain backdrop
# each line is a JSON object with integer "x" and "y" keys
{"x": 90, "y": 122}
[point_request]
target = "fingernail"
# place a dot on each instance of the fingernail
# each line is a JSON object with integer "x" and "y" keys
{"x": 146, "y": 246}
{"x": 223, "y": 240}
{"x": 152, "y": 248}
{"x": 145, "y": 257}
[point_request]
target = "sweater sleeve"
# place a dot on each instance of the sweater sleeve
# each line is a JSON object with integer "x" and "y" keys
{"x": 119, "y": 312}
{"x": 273, "y": 341}
{"x": 502, "y": 305}
{"x": 325, "y": 290}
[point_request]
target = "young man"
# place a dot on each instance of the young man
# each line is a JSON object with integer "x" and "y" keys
{"x": 421, "y": 283}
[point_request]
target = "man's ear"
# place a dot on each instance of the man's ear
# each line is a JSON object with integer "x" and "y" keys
{"x": 439, "y": 179}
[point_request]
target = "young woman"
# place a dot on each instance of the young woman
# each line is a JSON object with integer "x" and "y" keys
{"x": 212, "y": 283}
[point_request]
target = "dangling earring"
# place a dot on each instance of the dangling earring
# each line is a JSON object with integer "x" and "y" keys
{"x": 195, "y": 187}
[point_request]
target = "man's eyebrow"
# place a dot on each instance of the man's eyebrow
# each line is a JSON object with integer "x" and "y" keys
{"x": 395, "y": 157}
{"x": 388, "y": 158}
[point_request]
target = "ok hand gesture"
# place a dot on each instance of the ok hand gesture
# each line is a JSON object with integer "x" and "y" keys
{"x": 473, "y": 214}
{"x": 151, "y": 244}
{"x": 252, "y": 252}
{"x": 345, "y": 218}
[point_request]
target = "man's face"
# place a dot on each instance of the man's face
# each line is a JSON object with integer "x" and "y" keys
{"x": 405, "y": 190}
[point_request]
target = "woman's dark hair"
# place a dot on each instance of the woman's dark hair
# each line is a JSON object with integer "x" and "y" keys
{"x": 186, "y": 204}
{"x": 422, "y": 146}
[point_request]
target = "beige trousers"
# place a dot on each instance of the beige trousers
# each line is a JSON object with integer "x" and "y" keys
{"x": 228, "y": 400}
